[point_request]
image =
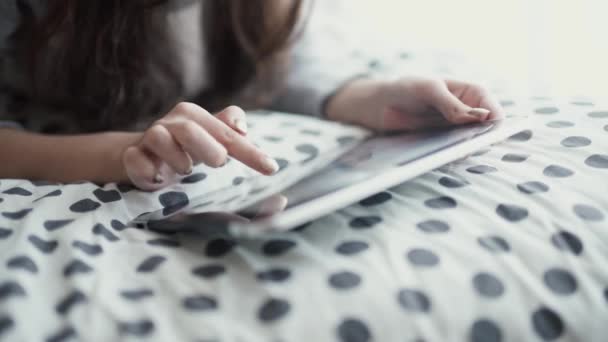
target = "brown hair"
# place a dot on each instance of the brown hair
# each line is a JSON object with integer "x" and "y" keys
{"x": 116, "y": 61}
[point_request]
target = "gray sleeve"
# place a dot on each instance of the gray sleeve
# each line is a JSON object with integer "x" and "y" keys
{"x": 321, "y": 63}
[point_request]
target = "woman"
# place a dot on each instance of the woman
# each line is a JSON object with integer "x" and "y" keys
{"x": 120, "y": 73}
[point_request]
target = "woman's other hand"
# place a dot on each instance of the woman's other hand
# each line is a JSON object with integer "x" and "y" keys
{"x": 412, "y": 103}
{"x": 189, "y": 135}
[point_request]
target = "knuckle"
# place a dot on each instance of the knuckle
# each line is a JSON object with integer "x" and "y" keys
{"x": 217, "y": 157}
{"x": 156, "y": 135}
{"x": 228, "y": 138}
{"x": 185, "y": 107}
{"x": 188, "y": 131}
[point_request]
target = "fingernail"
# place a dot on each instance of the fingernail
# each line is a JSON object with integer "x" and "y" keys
{"x": 479, "y": 112}
{"x": 241, "y": 125}
{"x": 158, "y": 179}
{"x": 270, "y": 165}
{"x": 188, "y": 172}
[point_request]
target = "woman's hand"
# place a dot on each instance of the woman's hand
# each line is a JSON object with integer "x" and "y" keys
{"x": 412, "y": 103}
{"x": 189, "y": 135}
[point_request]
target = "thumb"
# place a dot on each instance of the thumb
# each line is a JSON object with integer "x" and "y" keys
{"x": 454, "y": 110}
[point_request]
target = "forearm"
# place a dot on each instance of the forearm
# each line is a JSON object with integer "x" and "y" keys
{"x": 356, "y": 102}
{"x": 93, "y": 157}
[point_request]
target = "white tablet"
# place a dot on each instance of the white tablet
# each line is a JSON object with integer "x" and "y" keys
{"x": 315, "y": 188}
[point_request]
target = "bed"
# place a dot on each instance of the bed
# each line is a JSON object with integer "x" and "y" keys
{"x": 508, "y": 244}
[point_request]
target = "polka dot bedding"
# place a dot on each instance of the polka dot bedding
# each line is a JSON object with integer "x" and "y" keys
{"x": 508, "y": 244}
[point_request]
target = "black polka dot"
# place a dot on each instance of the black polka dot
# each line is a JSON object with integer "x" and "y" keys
{"x": 312, "y": 132}
{"x": 598, "y": 115}
{"x": 422, "y": 257}
{"x": 5, "y": 233}
{"x": 90, "y": 249}
{"x": 276, "y": 275}
{"x": 567, "y": 241}
{"x": 42, "y": 245}
{"x": 557, "y": 171}
{"x": 283, "y": 163}
{"x": 124, "y": 188}
{"x": 507, "y": 103}
{"x": 200, "y": 303}
{"x": 107, "y": 196}
{"x": 209, "y": 271}
{"x": 17, "y": 215}
{"x": 560, "y": 124}
{"x": 488, "y": 285}
{"x": 547, "y": 324}
{"x": 588, "y": 213}
{"x": 117, "y": 225}
{"x": 352, "y": 247}
{"x": 84, "y": 206}
{"x": 598, "y": 161}
{"x": 75, "y": 267}
{"x": 19, "y": 191}
{"x": 10, "y": 289}
{"x": 533, "y": 187}
{"x": 219, "y": 247}
{"x": 376, "y": 199}
{"x": 484, "y": 330}
{"x": 414, "y": 300}
{"x": 150, "y": 264}
{"x": 161, "y": 242}
{"x": 66, "y": 304}
{"x": 64, "y": 334}
{"x": 308, "y": 149}
{"x": 522, "y": 136}
{"x": 51, "y": 225}
{"x": 194, "y": 178}
{"x": 137, "y": 294}
{"x": 452, "y": 183}
{"x": 515, "y": 158}
{"x": 344, "y": 280}
{"x": 576, "y": 141}
{"x": 41, "y": 183}
{"x": 443, "y": 202}
{"x": 136, "y": 328}
{"x": 547, "y": 110}
{"x": 345, "y": 140}
{"x": 238, "y": 180}
{"x": 173, "y": 201}
{"x": 481, "y": 152}
{"x": 481, "y": 169}
{"x": 54, "y": 193}
{"x": 277, "y": 247}
{"x": 560, "y": 281}
{"x": 582, "y": 103}
{"x": 22, "y": 262}
{"x": 6, "y": 324}
{"x": 364, "y": 222}
{"x": 273, "y": 309}
{"x": 606, "y": 128}
{"x": 100, "y": 229}
{"x": 433, "y": 226}
{"x": 511, "y": 212}
{"x": 353, "y": 330}
{"x": 272, "y": 138}
{"x": 494, "y": 244}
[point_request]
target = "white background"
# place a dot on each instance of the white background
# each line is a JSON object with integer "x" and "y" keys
{"x": 545, "y": 47}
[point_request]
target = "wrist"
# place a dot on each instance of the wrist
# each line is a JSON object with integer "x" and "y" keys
{"x": 112, "y": 168}
{"x": 356, "y": 101}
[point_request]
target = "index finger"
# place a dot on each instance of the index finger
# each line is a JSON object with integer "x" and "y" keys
{"x": 237, "y": 146}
